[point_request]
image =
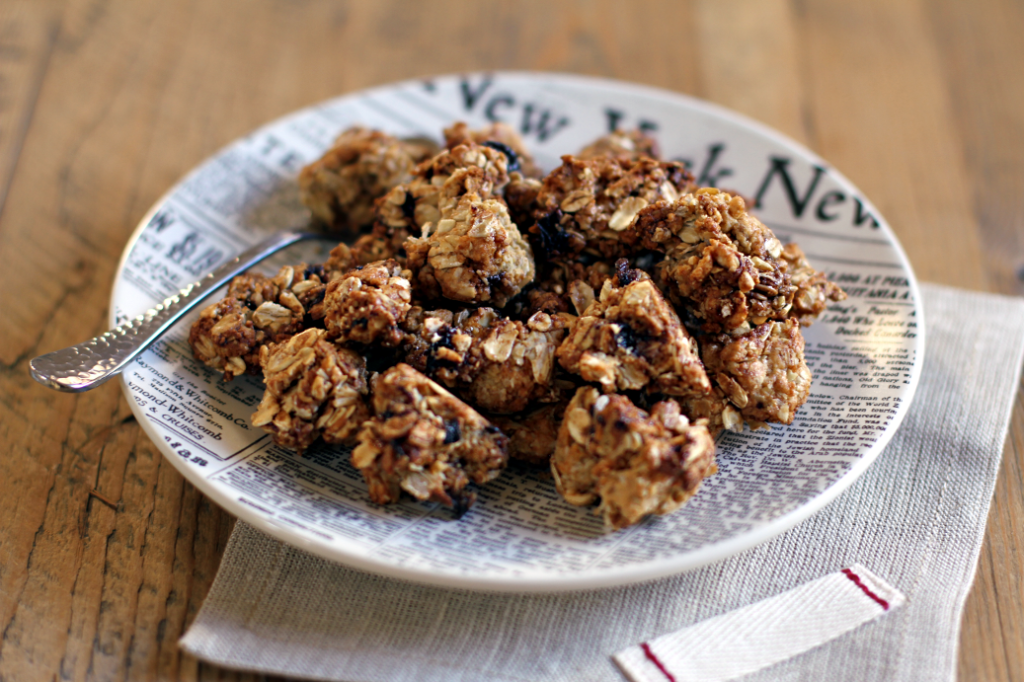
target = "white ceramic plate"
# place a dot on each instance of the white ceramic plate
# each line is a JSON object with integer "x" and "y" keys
{"x": 865, "y": 353}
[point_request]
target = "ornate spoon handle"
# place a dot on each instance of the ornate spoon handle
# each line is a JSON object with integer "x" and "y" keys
{"x": 87, "y": 365}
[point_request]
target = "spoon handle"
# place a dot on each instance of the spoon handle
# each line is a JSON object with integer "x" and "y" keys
{"x": 88, "y": 364}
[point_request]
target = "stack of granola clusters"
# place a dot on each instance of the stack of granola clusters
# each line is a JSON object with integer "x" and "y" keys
{"x": 607, "y": 320}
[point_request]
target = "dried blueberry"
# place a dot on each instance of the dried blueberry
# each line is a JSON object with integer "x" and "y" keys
{"x": 626, "y": 338}
{"x": 444, "y": 340}
{"x": 554, "y": 240}
{"x": 624, "y": 274}
{"x": 409, "y": 206}
{"x": 311, "y": 270}
{"x": 513, "y": 158}
{"x": 452, "y": 432}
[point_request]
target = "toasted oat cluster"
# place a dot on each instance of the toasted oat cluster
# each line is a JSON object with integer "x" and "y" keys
{"x": 257, "y": 310}
{"x": 473, "y": 254}
{"x": 630, "y": 338}
{"x": 499, "y": 136}
{"x": 714, "y": 410}
{"x": 438, "y": 183}
{"x": 723, "y": 264}
{"x": 630, "y": 463}
{"x": 498, "y": 364}
{"x": 532, "y": 434}
{"x": 521, "y": 197}
{"x": 813, "y": 288}
{"x": 589, "y": 204}
{"x": 368, "y": 305}
{"x": 425, "y": 441}
{"x": 314, "y": 389}
{"x": 762, "y": 372}
{"x": 566, "y": 287}
{"x": 607, "y": 320}
{"x": 626, "y": 145}
{"x": 362, "y": 165}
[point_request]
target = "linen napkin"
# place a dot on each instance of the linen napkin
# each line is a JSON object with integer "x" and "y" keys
{"x": 916, "y": 519}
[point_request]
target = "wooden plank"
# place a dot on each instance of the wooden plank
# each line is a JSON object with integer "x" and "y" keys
{"x": 749, "y": 61}
{"x": 880, "y": 112}
{"x": 85, "y": 589}
{"x": 28, "y": 31}
{"x": 981, "y": 53}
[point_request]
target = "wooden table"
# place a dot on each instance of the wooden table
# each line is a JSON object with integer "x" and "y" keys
{"x": 106, "y": 552}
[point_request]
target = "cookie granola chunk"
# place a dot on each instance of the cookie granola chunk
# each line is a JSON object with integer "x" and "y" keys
{"x": 437, "y": 184}
{"x": 499, "y": 136}
{"x": 368, "y": 305}
{"x": 224, "y": 338}
{"x": 362, "y": 165}
{"x": 627, "y": 145}
{"x": 762, "y": 372}
{"x": 813, "y": 288}
{"x": 314, "y": 389}
{"x": 256, "y": 311}
{"x": 498, "y": 364}
{"x": 473, "y": 254}
{"x": 630, "y": 463}
{"x": 425, "y": 441}
{"x": 630, "y": 338}
{"x": 722, "y": 263}
{"x": 590, "y": 203}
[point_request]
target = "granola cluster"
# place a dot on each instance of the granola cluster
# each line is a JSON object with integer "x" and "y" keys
{"x": 257, "y": 310}
{"x": 625, "y": 145}
{"x": 425, "y": 441}
{"x": 473, "y": 254}
{"x": 500, "y": 365}
{"x": 499, "y": 136}
{"x": 533, "y": 434}
{"x": 590, "y": 203}
{"x": 315, "y": 389}
{"x": 607, "y": 321}
{"x": 762, "y": 373}
{"x": 630, "y": 338}
{"x": 813, "y": 289}
{"x": 341, "y": 186}
{"x": 368, "y": 304}
{"x": 721, "y": 263}
{"x": 630, "y": 463}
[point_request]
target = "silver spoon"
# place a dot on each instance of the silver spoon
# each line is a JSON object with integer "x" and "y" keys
{"x": 86, "y": 365}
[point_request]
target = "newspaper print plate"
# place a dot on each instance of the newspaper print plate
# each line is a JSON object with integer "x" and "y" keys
{"x": 865, "y": 353}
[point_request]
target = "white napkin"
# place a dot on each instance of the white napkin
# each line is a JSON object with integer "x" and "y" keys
{"x": 917, "y": 518}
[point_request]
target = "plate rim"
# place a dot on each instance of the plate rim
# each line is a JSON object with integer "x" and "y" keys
{"x": 560, "y": 582}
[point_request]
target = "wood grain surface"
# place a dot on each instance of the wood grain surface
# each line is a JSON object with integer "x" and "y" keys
{"x": 106, "y": 552}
